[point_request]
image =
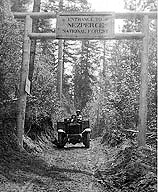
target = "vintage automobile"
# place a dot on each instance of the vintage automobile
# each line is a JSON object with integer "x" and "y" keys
{"x": 73, "y": 131}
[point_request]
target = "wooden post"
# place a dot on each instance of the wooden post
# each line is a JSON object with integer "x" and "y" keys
{"x": 142, "y": 123}
{"x": 23, "y": 79}
{"x": 60, "y": 60}
{"x": 36, "y": 8}
{"x": 104, "y": 64}
{"x": 60, "y": 68}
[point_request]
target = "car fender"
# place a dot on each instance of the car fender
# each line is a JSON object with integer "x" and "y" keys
{"x": 87, "y": 130}
{"x": 61, "y": 131}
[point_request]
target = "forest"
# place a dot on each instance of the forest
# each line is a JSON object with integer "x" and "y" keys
{"x": 100, "y": 77}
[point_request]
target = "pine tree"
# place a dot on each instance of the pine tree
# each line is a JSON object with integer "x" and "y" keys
{"x": 19, "y": 5}
{"x": 84, "y": 77}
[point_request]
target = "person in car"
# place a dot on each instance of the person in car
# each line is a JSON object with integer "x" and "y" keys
{"x": 73, "y": 118}
{"x": 78, "y": 115}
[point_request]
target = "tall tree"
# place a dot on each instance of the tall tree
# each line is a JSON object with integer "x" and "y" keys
{"x": 10, "y": 59}
{"x": 84, "y": 73}
{"x": 19, "y": 5}
{"x": 10, "y": 47}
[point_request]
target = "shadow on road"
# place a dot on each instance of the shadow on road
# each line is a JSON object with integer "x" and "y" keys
{"x": 21, "y": 169}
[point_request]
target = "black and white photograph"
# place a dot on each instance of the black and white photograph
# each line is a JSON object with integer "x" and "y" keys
{"x": 78, "y": 96}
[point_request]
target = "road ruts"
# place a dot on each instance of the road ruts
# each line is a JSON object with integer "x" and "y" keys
{"x": 76, "y": 165}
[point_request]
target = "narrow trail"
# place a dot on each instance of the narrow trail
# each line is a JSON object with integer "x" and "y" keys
{"x": 77, "y": 165}
{"x": 70, "y": 169}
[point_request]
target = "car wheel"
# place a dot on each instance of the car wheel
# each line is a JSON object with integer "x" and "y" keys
{"x": 86, "y": 140}
{"x": 60, "y": 140}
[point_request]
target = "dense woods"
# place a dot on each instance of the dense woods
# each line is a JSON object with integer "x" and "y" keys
{"x": 101, "y": 78}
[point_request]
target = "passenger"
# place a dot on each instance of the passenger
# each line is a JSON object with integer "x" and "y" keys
{"x": 78, "y": 115}
{"x": 73, "y": 118}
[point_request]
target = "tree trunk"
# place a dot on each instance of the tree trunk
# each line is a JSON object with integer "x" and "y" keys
{"x": 36, "y": 8}
{"x": 6, "y": 16}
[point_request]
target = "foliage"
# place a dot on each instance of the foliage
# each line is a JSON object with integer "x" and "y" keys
{"x": 139, "y": 5}
{"x": 119, "y": 85}
{"x": 44, "y": 99}
{"x": 19, "y": 5}
{"x": 132, "y": 169}
{"x": 83, "y": 76}
{"x": 10, "y": 58}
{"x": 43, "y": 102}
{"x": 68, "y": 5}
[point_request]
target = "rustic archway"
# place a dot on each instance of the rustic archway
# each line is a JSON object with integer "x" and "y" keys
{"x": 144, "y": 35}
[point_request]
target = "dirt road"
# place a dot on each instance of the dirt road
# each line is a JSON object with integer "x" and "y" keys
{"x": 77, "y": 166}
{"x": 64, "y": 170}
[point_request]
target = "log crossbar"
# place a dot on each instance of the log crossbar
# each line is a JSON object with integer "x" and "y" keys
{"x": 117, "y": 36}
{"x": 121, "y": 15}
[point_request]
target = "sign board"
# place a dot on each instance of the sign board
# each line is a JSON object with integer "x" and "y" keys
{"x": 27, "y": 86}
{"x": 85, "y": 26}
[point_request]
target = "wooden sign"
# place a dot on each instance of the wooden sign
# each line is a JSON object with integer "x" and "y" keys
{"x": 85, "y": 26}
{"x": 27, "y": 86}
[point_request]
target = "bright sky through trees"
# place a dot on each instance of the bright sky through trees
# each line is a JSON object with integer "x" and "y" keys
{"x": 107, "y": 5}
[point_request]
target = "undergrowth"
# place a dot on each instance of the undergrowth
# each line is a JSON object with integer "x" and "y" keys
{"x": 133, "y": 169}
